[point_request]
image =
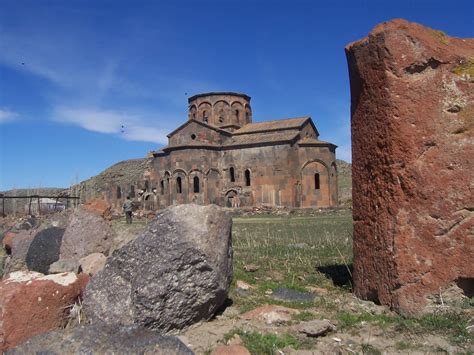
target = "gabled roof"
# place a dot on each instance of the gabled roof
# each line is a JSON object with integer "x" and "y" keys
{"x": 275, "y": 125}
{"x": 217, "y": 129}
{"x": 314, "y": 142}
{"x": 262, "y": 138}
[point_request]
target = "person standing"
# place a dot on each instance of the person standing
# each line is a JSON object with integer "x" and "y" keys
{"x": 127, "y": 208}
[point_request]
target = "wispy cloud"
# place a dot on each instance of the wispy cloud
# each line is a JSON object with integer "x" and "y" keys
{"x": 129, "y": 126}
{"x": 8, "y": 116}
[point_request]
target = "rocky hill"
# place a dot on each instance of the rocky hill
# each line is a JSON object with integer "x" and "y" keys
{"x": 344, "y": 171}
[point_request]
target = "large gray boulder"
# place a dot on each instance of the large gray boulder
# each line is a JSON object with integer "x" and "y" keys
{"x": 86, "y": 233}
{"x": 101, "y": 340}
{"x": 176, "y": 273}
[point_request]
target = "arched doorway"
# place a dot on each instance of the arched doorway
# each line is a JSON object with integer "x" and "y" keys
{"x": 232, "y": 199}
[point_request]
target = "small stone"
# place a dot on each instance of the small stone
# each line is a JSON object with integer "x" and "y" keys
{"x": 286, "y": 294}
{"x": 93, "y": 263}
{"x": 270, "y": 314}
{"x": 315, "y": 328}
{"x": 243, "y": 285}
{"x": 251, "y": 267}
{"x": 64, "y": 265}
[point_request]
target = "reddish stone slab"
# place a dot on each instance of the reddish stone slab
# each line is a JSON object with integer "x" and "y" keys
{"x": 32, "y": 303}
{"x": 412, "y": 108}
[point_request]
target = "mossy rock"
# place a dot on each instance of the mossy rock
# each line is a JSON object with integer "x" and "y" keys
{"x": 466, "y": 68}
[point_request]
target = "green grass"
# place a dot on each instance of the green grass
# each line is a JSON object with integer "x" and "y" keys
{"x": 292, "y": 247}
{"x": 266, "y": 344}
{"x": 450, "y": 324}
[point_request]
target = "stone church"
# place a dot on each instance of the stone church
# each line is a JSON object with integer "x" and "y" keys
{"x": 220, "y": 156}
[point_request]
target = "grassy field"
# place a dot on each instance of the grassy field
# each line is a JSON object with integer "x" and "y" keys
{"x": 315, "y": 254}
{"x": 295, "y": 253}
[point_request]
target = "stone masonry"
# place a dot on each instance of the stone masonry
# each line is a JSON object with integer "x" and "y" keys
{"x": 412, "y": 103}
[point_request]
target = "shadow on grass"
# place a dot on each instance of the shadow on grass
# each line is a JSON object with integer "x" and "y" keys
{"x": 340, "y": 274}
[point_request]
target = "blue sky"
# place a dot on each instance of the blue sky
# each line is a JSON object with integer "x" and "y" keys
{"x": 73, "y": 72}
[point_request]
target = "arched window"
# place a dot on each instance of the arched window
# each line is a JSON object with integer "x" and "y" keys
{"x": 316, "y": 181}
{"x": 196, "y": 184}
{"x": 179, "y": 187}
{"x": 232, "y": 174}
{"x": 162, "y": 187}
{"x": 147, "y": 186}
{"x": 204, "y": 116}
{"x": 132, "y": 191}
{"x": 247, "y": 177}
{"x": 119, "y": 192}
{"x": 237, "y": 114}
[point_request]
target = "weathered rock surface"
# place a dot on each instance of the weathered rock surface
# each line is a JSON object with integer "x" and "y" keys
{"x": 99, "y": 206}
{"x": 176, "y": 273}
{"x": 32, "y": 303}
{"x": 19, "y": 246}
{"x": 102, "y": 340}
{"x": 93, "y": 263}
{"x": 412, "y": 106}
{"x": 315, "y": 328}
{"x": 64, "y": 265}
{"x": 86, "y": 233}
{"x": 44, "y": 249}
{"x": 271, "y": 314}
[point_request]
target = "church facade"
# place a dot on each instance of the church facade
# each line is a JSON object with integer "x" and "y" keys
{"x": 220, "y": 156}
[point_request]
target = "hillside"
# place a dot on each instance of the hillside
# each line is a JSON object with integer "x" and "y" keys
{"x": 344, "y": 171}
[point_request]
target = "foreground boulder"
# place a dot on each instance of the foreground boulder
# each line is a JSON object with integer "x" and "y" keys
{"x": 102, "y": 340}
{"x": 176, "y": 273}
{"x": 44, "y": 249}
{"x": 412, "y": 106}
{"x": 32, "y": 303}
{"x": 86, "y": 233}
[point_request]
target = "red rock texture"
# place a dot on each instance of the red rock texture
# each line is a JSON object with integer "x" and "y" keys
{"x": 412, "y": 107}
{"x": 31, "y": 304}
{"x": 99, "y": 206}
{"x": 8, "y": 240}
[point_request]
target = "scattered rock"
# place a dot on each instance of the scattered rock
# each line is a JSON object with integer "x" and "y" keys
{"x": 99, "y": 206}
{"x": 92, "y": 339}
{"x": 287, "y": 294}
{"x": 44, "y": 249}
{"x": 315, "y": 328}
{"x": 64, "y": 265}
{"x": 412, "y": 98}
{"x": 230, "y": 350}
{"x": 271, "y": 314}
{"x": 32, "y": 303}
{"x": 243, "y": 285}
{"x": 251, "y": 267}
{"x": 86, "y": 233}
{"x": 26, "y": 224}
{"x": 7, "y": 241}
{"x": 93, "y": 263}
{"x": 20, "y": 245}
{"x": 176, "y": 273}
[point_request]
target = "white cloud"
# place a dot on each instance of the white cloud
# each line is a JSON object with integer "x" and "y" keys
{"x": 8, "y": 116}
{"x": 145, "y": 134}
{"x": 128, "y": 126}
